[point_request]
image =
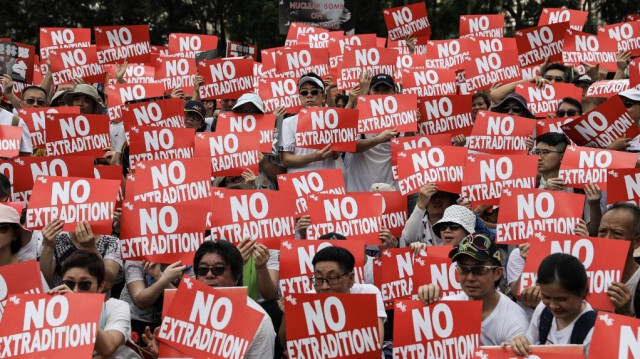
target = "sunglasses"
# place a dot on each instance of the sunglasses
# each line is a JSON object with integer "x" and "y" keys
{"x": 31, "y": 101}
{"x": 216, "y": 271}
{"x": 464, "y": 269}
{"x": 304, "y": 93}
{"x": 4, "y": 227}
{"x": 514, "y": 109}
{"x": 450, "y": 226}
{"x": 554, "y": 78}
{"x": 84, "y": 285}
{"x": 565, "y": 113}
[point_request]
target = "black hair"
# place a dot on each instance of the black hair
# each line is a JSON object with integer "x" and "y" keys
{"x": 344, "y": 99}
{"x": 557, "y": 66}
{"x": 343, "y": 257}
{"x": 5, "y": 186}
{"x": 24, "y": 91}
{"x": 332, "y": 235}
{"x": 633, "y": 209}
{"x": 484, "y": 97}
{"x": 85, "y": 260}
{"x": 554, "y": 139}
{"x": 566, "y": 270}
{"x": 227, "y": 251}
{"x": 571, "y": 101}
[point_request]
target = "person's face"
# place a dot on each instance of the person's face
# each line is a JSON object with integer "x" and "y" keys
{"x": 478, "y": 283}
{"x": 617, "y": 224}
{"x": 548, "y": 162}
{"x": 34, "y": 98}
{"x": 209, "y": 106}
{"x": 247, "y": 108}
{"x": 86, "y": 103}
{"x": 437, "y": 204}
{"x": 584, "y": 86}
{"x": 478, "y": 105}
{"x": 567, "y": 110}
{"x": 562, "y": 303}
{"x": 382, "y": 89}
{"x": 227, "y": 104}
{"x": 452, "y": 233}
{"x": 633, "y": 107}
{"x": 192, "y": 120}
{"x": 82, "y": 278}
{"x": 554, "y": 76}
{"x": 213, "y": 260}
{"x": 7, "y": 235}
{"x": 340, "y": 282}
{"x": 310, "y": 95}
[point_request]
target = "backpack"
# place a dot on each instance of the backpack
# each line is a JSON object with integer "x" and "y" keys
{"x": 580, "y": 330}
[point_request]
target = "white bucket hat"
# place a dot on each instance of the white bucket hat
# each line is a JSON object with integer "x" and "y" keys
{"x": 251, "y": 98}
{"x": 457, "y": 214}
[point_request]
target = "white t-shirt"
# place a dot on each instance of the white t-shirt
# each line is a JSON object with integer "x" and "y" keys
{"x": 362, "y": 169}
{"x": 117, "y": 317}
{"x": 506, "y": 321}
{"x": 632, "y": 284}
{"x": 515, "y": 265}
{"x": 555, "y": 337}
{"x": 265, "y": 339}
{"x": 289, "y": 126}
{"x": 116, "y": 131}
{"x": 6, "y": 118}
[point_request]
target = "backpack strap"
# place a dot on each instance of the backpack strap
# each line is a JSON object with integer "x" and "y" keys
{"x": 15, "y": 120}
{"x": 544, "y": 325}
{"x": 582, "y": 326}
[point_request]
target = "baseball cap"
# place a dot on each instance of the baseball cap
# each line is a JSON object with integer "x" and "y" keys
{"x": 631, "y": 94}
{"x": 479, "y": 247}
{"x": 583, "y": 78}
{"x": 382, "y": 79}
{"x": 197, "y": 107}
{"x": 313, "y": 78}
{"x": 251, "y": 98}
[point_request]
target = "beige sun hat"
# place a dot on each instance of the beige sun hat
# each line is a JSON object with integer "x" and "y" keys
{"x": 87, "y": 90}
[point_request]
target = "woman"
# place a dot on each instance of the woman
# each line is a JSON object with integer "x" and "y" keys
{"x": 563, "y": 317}
{"x": 12, "y": 235}
{"x": 479, "y": 102}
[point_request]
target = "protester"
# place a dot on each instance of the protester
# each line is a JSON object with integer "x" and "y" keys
{"x": 194, "y": 114}
{"x": 87, "y": 97}
{"x": 569, "y": 107}
{"x": 479, "y": 102}
{"x": 513, "y": 104}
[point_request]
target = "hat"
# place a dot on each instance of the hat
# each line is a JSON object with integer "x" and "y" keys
{"x": 197, "y": 107}
{"x": 313, "y": 78}
{"x": 9, "y": 214}
{"x": 251, "y": 98}
{"x": 631, "y": 94}
{"x": 583, "y": 78}
{"x": 513, "y": 97}
{"x": 381, "y": 187}
{"x": 457, "y": 214}
{"x": 382, "y": 79}
{"x": 87, "y": 90}
{"x": 58, "y": 95}
{"x": 479, "y": 247}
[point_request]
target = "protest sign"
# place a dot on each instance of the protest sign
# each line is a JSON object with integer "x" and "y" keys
{"x": 133, "y": 74}
{"x": 76, "y": 134}
{"x": 229, "y": 122}
{"x": 420, "y": 50}
{"x": 299, "y": 60}
{"x": 156, "y": 143}
{"x": 332, "y": 325}
{"x": 497, "y": 133}
{"x": 238, "y": 49}
{"x": 279, "y": 92}
{"x": 34, "y": 118}
{"x": 357, "y": 60}
{"x": 582, "y": 47}
{"x": 318, "y": 15}
{"x": 575, "y": 18}
{"x": 492, "y": 62}
{"x": 482, "y": 25}
{"x": 451, "y": 54}
{"x": 429, "y": 82}
{"x": 442, "y": 271}
{"x": 603, "y": 260}
{"x": 111, "y": 172}
{"x": 401, "y": 274}
{"x": 225, "y": 78}
{"x": 231, "y": 154}
{"x": 119, "y": 94}
{"x": 10, "y": 138}
{"x": 442, "y": 166}
{"x": 399, "y": 144}
{"x": 537, "y": 352}
{"x": 394, "y": 211}
{"x": 623, "y": 185}
{"x": 355, "y": 215}
{"x": 175, "y": 72}
{"x": 297, "y": 30}
{"x": 317, "y": 40}
{"x": 486, "y": 176}
{"x": 535, "y": 44}
{"x": 634, "y": 73}
{"x": 161, "y": 113}
{"x": 76, "y": 63}
{"x": 18, "y": 278}
{"x": 403, "y": 21}
{"x": 54, "y": 38}
{"x": 526, "y": 211}
{"x": 309, "y": 182}
{"x": 607, "y": 88}
{"x": 445, "y": 114}
{"x": 118, "y": 43}
{"x": 377, "y": 113}
{"x": 586, "y": 165}
{"x": 322, "y": 126}
{"x": 626, "y": 35}
{"x": 338, "y": 44}
{"x": 187, "y": 45}
{"x": 543, "y": 101}
{"x": 615, "y": 335}
{"x": 17, "y": 60}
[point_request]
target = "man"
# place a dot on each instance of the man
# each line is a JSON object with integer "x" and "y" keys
{"x": 312, "y": 93}
{"x": 33, "y": 96}
{"x": 550, "y": 149}
{"x": 479, "y": 264}
{"x": 372, "y": 161}
{"x": 555, "y": 73}
{"x": 194, "y": 114}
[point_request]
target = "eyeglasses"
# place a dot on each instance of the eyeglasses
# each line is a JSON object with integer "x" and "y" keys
{"x": 318, "y": 281}
{"x": 565, "y": 113}
{"x": 32, "y": 101}
{"x": 216, "y": 271}
{"x": 629, "y": 103}
{"x": 450, "y": 226}
{"x": 554, "y": 78}
{"x": 514, "y": 109}
{"x": 304, "y": 93}
{"x": 84, "y": 285}
{"x": 464, "y": 269}
{"x": 4, "y": 227}
{"x": 543, "y": 153}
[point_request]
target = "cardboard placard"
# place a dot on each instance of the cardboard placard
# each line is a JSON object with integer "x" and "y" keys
{"x": 10, "y": 138}
{"x": 583, "y": 165}
{"x": 394, "y": 211}
{"x": 539, "y": 351}
{"x": 176, "y": 72}
{"x": 72, "y": 200}
{"x": 187, "y": 45}
{"x": 305, "y": 183}
{"x": 377, "y": 113}
{"x": 442, "y": 166}
{"x": 231, "y": 154}
{"x": 361, "y": 59}
{"x": 77, "y": 134}
{"x": 498, "y": 133}
{"x": 544, "y": 101}
{"x": 449, "y": 114}
{"x": 399, "y": 144}
{"x": 238, "y": 49}
{"x": 429, "y": 82}
{"x": 626, "y": 35}
{"x": 21, "y": 277}
{"x": 34, "y": 118}
{"x": 634, "y": 73}
{"x": 451, "y": 54}
{"x": 322, "y": 126}
{"x": 17, "y": 60}
{"x": 607, "y": 88}
{"x": 407, "y": 20}
{"x": 623, "y": 185}
{"x": 318, "y": 40}
{"x": 53, "y": 38}
{"x": 492, "y": 62}
{"x": 297, "y": 29}
{"x": 225, "y": 78}
{"x": 156, "y": 143}
{"x": 584, "y": 47}
{"x": 338, "y": 44}
{"x": 299, "y": 60}
{"x": 117, "y": 43}
{"x": 119, "y": 94}
{"x": 161, "y": 113}
{"x": 615, "y": 335}
{"x": 76, "y": 63}
{"x": 402, "y": 274}
{"x": 279, "y": 92}
{"x": 133, "y": 74}
{"x": 535, "y": 44}
{"x": 576, "y": 18}
{"x": 526, "y": 211}
{"x": 111, "y": 172}
{"x": 482, "y": 25}
{"x": 229, "y": 122}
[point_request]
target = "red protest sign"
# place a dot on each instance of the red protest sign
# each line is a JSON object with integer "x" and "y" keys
{"x": 399, "y": 144}
{"x": 407, "y": 20}
{"x": 277, "y": 92}
{"x": 583, "y": 165}
{"x": 442, "y": 166}
{"x": 209, "y": 312}
{"x": 34, "y": 118}
{"x": 118, "y": 43}
{"x": 229, "y": 122}
{"x": 442, "y": 271}
{"x": 377, "y": 113}
{"x": 162, "y": 233}
{"x": 226, "y": 78}
{"x": 493, "y": 62}
{"x": 175, "y": 72}
{"x": 308, "y": 182}
{"x": 602, "y": 125}
{"x": 133, "y": 74}
{"x": 162, "y": 113}
{"x": 310, "y": 321}
{"x": 394, "y": 211}
{"x": 445, "y": 114}
{"x": 626, "y": 35}
{"x": 187, "y": 45}
{"x": 607, "y": 88}
{"x": 354, "y": 215}
{"x": 401, "y": 274}
{"x": 119, "y": 94}
{"x": 155, "y": 143}
{"x": 401, "y": 47}
{"x": 623, "y": 185}
{"x": 231, "y": 153}
{"x": 482, "y": 25}
{"x": 319, "y": 40}
{"x": 429, "y": 82}
{"x": 445, "y": 54}
{"x": 486, "y": 176}
{"x": 300, "y": 60}
{"x": 535, "y": 44}
{"x": 409, "y": 61}
{"x": 52, "y": 326}
{"x": 76, "y": 63}
{"x": 575, "y": 18}
{"x": 544, "y": 101}
{"x": 297, "y": 29}
{"x": 77, "y": 134}
{"x": 262, "y": 215}
{"x": 53, "y": 38}
{"x": 238, "y": 49}
{"x": 615, "y": 335}
{"x": 296, "y": 265}
{"x": 526, "y": 211}
{"x": 357, "y": 60}
{"x": 497, "y": 133}
{"x": 73, "y": 200}
{"x": 582, "y": 47}
{"x": 112, "y": 172}
{"x": 21, "y": 277}
{"x": 603, "y": 260}
{"x": 322, "y": 126}
{"x": 422, "y": 331}
{"x": 634, "y": 73}
{"x": 338, "y": 44}
{"x": 10, "y": 137}
{"x": 537, "y": 351}
{"x": 268, "y": 57}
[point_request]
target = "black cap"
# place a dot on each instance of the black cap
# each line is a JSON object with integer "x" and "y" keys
{"x": 197, "y": 107}
{"x": 479, "y": 247}
{"x": 382, "y": 79}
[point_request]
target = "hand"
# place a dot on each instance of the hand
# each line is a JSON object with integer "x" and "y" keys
{"x": 51, "y": 231}
{"x": 354, "y": 93}
{"x": 173, "y": 272}
{"x": 85, "y": 238}
{"x": 530, "y": 296}
{"x": 280, "y": 111}
{"x": 7, "y": 84}
{"x": 621, "y": 298}
{"x": 177, "y": 93}
{"x": 530, "y": 141}
{"x": 411, "y": 43}
{"x": 555, "y": 184}
{"x": 623, "y": 60}
{"x": 328, "y": 83}
{"x": 461, "y": 201}
{"x": 520, "y": 345}
{"x": 113, "y": 157}
{"x": 481, "y": 208}
{"x": 365, "y": 81}
{"x": 386, "y": 135}
{"x": 592, "y": 71}
{"x": 417, "y": 248}
{"x": 544, "y": 65}
{"x": 593, "y": 193}
{"x": 78, "y": 81}
{"x": 61, "y": 289}
{"x": 524, "y": 250}
{"x": 619, "y": 144}
{"x": 197, "y": 81}
{"x": 249, "y": 177}
{"x": 303, "y": 223}
{"x": 429, "y": 293}
{"x": 120, "y": 71}
{"x": 246, "y": 247}
{"x": 581, "y": 228}
{"x": 424, "y": 196}
{"x": 459, "y": 140}
{"x": 387, "y": 239}
{"x": 260, "y": 256}
{"x": 152, "y": 269}
{"x": 323, "y": 154}
{"x": 539, "y": 81}
{"x": 150, "y": 339}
